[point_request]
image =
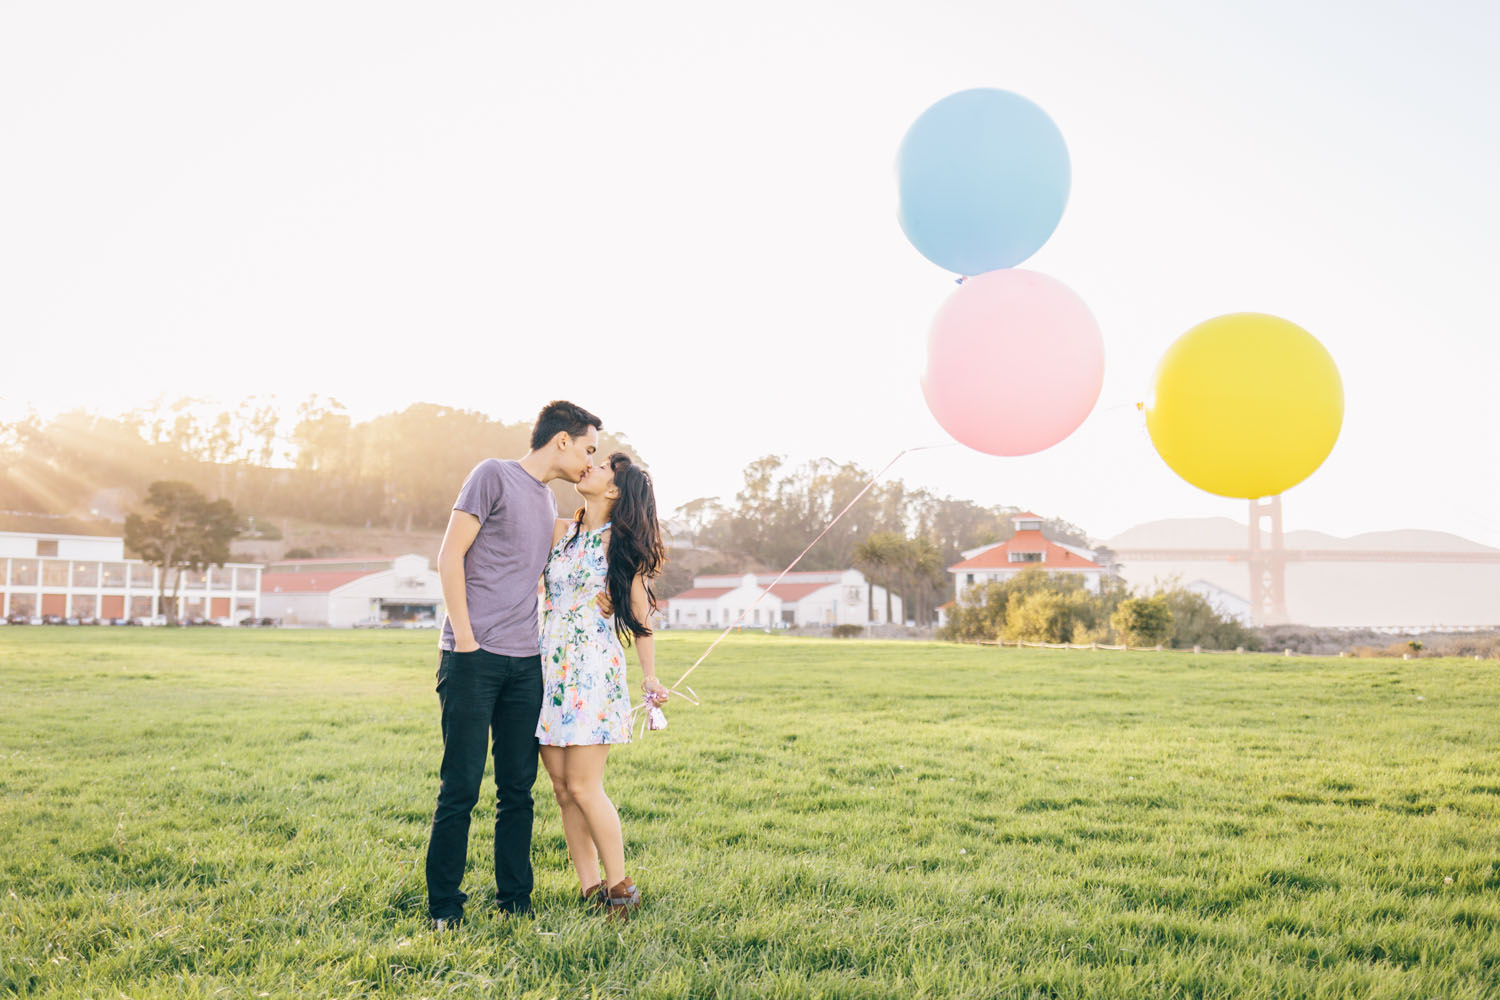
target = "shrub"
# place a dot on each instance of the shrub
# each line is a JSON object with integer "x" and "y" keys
{"x": 1049, "y": 615}
{"x": 982, "y": 613}
{"x": 848, "y": 631}
{"x": 1196, "y": 622}
{"x": 1143, "y": 621}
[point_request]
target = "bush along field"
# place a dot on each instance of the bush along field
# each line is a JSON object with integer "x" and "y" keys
{"x": 199, "y": 813}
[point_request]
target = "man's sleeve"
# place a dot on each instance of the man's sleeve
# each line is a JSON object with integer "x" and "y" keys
{"x": 481, "y": 491}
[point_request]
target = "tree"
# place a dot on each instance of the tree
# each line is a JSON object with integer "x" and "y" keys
{"x": 928, "y": 574}
{"x": 1143, "y": 621}
{"x": 878, "y": 557}
{"x": 180, "y": 529}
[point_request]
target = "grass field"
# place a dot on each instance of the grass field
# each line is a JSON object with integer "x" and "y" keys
{"x": 202, "y": 813}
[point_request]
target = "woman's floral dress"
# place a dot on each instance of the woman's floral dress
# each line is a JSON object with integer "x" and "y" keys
{"x": 585, "y": 700}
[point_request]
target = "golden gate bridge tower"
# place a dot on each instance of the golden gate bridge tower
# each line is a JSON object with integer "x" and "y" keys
{"x": 1267, "y": 562}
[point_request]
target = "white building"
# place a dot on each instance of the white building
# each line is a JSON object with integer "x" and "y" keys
{"x": 832, "y": 597}
{"x": 88, "y": 576}
{"x": 1228, "y": 604}
{"x": 343, "y": 592}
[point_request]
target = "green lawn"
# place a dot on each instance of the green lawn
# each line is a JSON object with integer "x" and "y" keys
{"x": 207, "y": 813}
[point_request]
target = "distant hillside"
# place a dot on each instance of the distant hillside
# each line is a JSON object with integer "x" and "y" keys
{"x": 1226, "y": 533}
{"x": 1373, "y": 594}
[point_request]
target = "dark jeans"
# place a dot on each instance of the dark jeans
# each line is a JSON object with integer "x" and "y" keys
{"x": 481, "y": 692}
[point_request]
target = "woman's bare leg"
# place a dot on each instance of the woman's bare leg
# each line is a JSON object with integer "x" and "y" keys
{"x": 575, "y": 827}
{"x": 584, "y": 778}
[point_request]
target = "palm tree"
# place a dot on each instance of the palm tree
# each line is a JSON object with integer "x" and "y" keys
{"x": 925, "y": 563}
{"x": 878, "y": 557}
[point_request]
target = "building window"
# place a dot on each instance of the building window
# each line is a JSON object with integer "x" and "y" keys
{"x": 1026, "y": 557}
{"x": 54, "y": 573}
{"x": 757, "y": 616}
{"x": 46, "y": 547}
{"x": 246, "y": 579}
{"x": 853, "y": 596}
{"x": 85, "y": 574}
{"x": 84, "y": 606}
{"x": 23, "y": 572}
{"x": 114, "y": 575}
{"x": 969, "y": 579}
{"x": 142, "y": 575}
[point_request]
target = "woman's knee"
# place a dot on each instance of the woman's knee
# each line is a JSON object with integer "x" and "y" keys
{"x": 581, "y": 789}
{"x": 561, "y": 793}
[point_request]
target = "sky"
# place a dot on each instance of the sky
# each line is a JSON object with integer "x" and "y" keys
{"x": 683, "y": 216}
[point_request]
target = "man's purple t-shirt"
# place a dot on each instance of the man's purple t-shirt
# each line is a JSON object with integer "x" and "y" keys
{"x": 516, "y": 513}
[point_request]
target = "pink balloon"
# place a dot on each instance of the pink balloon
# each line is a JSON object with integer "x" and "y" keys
{"x": 1015, "y": 362}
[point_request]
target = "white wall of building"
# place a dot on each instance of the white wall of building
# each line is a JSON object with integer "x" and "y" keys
{"x": 23, "y": 544}
{"x": 409, "y": 581}
{"x": 844, "y": 599}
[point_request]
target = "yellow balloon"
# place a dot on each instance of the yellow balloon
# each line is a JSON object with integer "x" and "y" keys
{"x": 1246, "y": 405}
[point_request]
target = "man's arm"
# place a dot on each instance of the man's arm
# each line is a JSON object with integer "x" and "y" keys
{"x": 463, "y": 528}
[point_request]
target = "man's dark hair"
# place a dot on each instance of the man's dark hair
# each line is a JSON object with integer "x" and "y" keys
{"x": 560, "y": 416}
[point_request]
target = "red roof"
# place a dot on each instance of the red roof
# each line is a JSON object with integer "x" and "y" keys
{"x": 797, "y": 591}
{"x": 1055, "y": 556}
{"x": 831, "y": 576}
{"x": 702, "y": 593}
{"x": 307, "y": 583}
{"x": 1028, "y": 516}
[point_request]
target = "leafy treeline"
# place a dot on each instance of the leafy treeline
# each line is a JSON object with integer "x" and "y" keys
{"x": 402, "y": 470}
{"x": 1037, "y": 606}
{"x": 399, "y": 469}
{"x": 902, "y": 538}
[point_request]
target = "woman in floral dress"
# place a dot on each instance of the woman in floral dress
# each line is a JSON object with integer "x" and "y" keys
{"x": 598, "y": 599}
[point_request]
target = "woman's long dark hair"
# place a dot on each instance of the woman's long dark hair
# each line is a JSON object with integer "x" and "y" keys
{"x": 635, "y": 547}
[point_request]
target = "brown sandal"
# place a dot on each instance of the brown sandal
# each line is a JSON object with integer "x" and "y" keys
{"x": 594, "y": 895}
{"x": 622, "y": 899}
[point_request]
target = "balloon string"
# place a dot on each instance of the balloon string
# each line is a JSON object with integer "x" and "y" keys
{"x": 827, "y": 528}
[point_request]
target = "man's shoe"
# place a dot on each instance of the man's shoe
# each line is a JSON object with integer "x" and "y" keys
{"x": 441, "y": 925}
{"x": 622, "y": 900}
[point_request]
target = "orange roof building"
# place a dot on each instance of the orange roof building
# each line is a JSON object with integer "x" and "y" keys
{"x": 1027, "y": 549}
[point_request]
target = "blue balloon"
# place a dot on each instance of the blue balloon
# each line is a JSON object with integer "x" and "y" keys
{"x": 984, "y": 177}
